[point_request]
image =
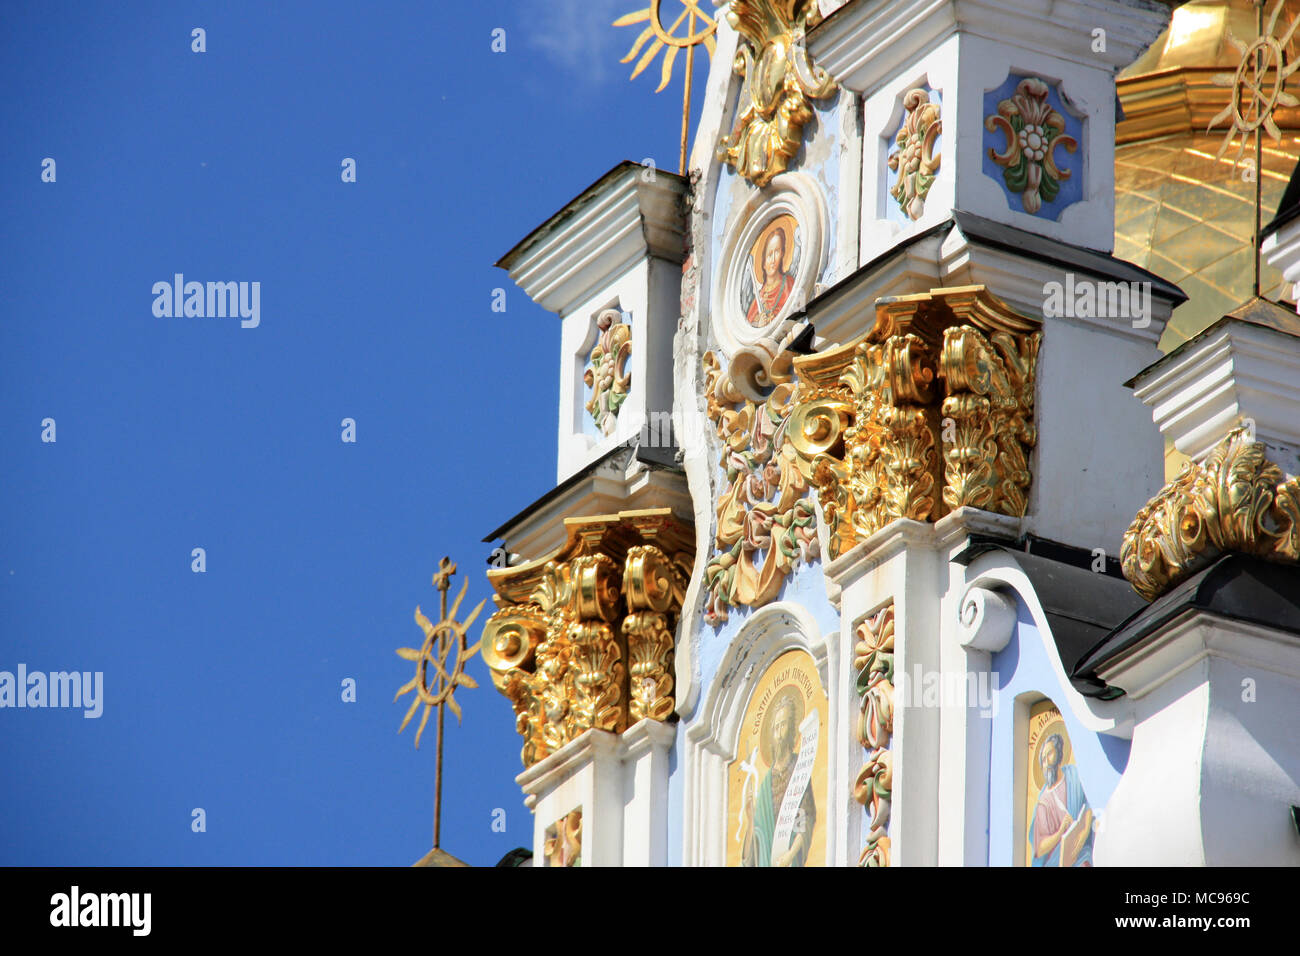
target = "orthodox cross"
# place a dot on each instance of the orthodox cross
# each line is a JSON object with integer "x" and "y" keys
{"x": 668, "y": 38}
{"x": 439, "y": 640}
{"x": 1258, "y": 88}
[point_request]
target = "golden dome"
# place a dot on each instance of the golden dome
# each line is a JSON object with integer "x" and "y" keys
{"x": 1180, "y": 211}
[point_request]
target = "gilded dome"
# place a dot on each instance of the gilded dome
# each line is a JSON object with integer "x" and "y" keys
{"x": 1180, "y": 211}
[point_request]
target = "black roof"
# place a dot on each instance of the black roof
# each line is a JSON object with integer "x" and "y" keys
{"x": 1288, "y": 208}
{"x": 1235, "y": 586}
{"x": 1082, "y": 605}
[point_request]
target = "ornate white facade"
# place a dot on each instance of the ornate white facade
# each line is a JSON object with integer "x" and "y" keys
{"x": 862, "y": 602}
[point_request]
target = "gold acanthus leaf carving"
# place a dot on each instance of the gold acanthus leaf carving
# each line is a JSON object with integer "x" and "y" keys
{"x": 1237, "y": 501}
{"x": 765, "y": 521}
{"x": 779, "y": 82}
{"x": 950, "y": 370}
{"x": 584, "y": 638}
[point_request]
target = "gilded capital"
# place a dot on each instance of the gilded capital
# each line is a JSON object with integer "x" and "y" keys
{"x": 1236, "y": 501}
{"x": 930, "y": 411}
{"x": 583, "y": 638}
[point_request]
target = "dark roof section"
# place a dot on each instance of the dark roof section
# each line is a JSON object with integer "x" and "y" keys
{"x": 582, "y": 199}
{"x": 1264, "y": 313}
{"x": 1235, "y": 586}
{"x": 663, "y": 459}
{"x": 990, "y": 233}
{"x": 1081, "y": 605}
{"x": 1288, "y": 208}
{"x": 852, "y": 279}
{"x": 517, "y": 857}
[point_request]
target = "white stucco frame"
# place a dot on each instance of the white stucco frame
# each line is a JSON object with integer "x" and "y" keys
{"x": 795, "y": 194}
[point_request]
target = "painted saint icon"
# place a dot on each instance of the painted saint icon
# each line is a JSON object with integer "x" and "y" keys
{"x": 1060, "y": 820}
{"x": 766, "y": 288}
{"x": 780, "y": 769}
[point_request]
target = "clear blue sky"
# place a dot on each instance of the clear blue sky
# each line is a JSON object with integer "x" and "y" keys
{"x": 222, "y": 690}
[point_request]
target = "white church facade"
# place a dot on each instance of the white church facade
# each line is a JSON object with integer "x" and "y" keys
{"x": 893, "y": 523}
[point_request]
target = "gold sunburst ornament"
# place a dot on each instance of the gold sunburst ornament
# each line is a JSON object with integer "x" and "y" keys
{"x": 1259, "y": 85}
{"x": 668, "y": 38}
{"x": 1258, "y": 89}
{"x": 439, "y": 640}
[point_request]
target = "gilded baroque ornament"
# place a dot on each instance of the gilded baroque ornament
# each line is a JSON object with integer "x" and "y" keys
{"x": 930, "y": 411}
{"x": 583, "y": 638}
{"x": 1237, "y": 501}
{"x": 606, "y": 373}
{"x": 766, "y": 521}
{"x": 1033, "y": 131}
{"x": 780, "y": 81}
{"x": 873, "y": 661}
{"x": 563, "y": 845}
{"x": 913, "y": 157}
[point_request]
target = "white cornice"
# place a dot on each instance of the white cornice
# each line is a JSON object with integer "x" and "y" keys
{"x": 1238, "y": 371}
{"x": 631, "y": 213}
{"x": 865, "y": 43}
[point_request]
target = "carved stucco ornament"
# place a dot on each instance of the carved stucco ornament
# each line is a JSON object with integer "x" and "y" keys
{"x": 766, "y": 521}
{"x": 913, "y": 156}
{"x": 606, "y": 374}
{"x": 583, "y": 638}
{"x": 873, "y": 662}
{"x": 1237, "y": 501}
{"x": 930, "y": 411}
{"x": 780, "y": 81}
{"x": 1033, "y": 130}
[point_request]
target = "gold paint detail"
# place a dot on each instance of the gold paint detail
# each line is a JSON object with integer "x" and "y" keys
{"x": 873, "y": 662}
{"x": 563, "y": 845}
{"x": 1236, "y": 502}
{"x": 1258, "y": 85}
{"x": 913, "y": 156}
{"x": 780, "y": 80}
{"x": 606, "y": 374}
{"x": 765, "y": 521}
{"x": 951, "y": 369}
{"x": 667, "y": 37}
{"x": 583, "y": 638}
{"x": 1033, "y": 130}
{"x": 439, "y": 641}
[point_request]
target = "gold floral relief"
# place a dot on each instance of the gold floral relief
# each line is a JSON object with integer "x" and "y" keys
{"x": 1237, "y": 501}
{"x": 780, "y": 82}
{"x": 930, "y": 411}
{"x": 766, "y": 523}
{"x": 583, "y": 638}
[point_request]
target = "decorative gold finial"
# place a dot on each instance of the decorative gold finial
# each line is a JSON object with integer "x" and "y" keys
{"x": 1255, "y": 98}
{"x": 667, "y": 38}
{"x": 439, "y": 639}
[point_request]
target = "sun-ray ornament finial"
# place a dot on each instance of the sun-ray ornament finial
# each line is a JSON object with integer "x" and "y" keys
{"x": 439, "y": 640}
{"x": 435, "y": 651}
{"x": 1259, "y": 85}
{"x": 668, "y": 37}
{"x": 1258, "y": 89}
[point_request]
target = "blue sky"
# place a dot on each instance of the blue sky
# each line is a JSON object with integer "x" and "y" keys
{"x": 222, "y": 690}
